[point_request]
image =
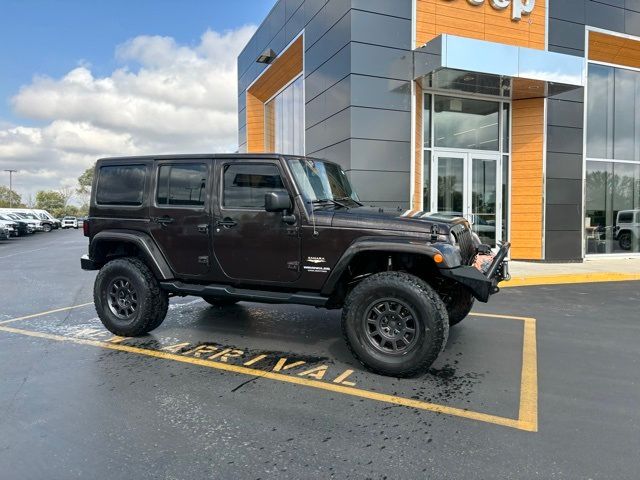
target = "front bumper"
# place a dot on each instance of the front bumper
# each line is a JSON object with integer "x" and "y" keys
{"x": 482, "y": 285}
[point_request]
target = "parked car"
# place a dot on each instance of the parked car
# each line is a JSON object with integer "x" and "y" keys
{"x": 32, "y": 218}
{"x": 12, "y": 227}
{"x": 278, "y": 229}
{"x": 628, "y": 229}
{"x": 25, "y": 227}
{"x": 5, "y": 234}
{"x": 47, "y": 217}
{"x": 69, "y": 222}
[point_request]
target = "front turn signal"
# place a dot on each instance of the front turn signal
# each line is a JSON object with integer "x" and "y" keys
{"x": 438, "y": 258}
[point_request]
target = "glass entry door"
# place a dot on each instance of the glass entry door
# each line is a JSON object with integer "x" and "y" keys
{"x": 469, "y": 185}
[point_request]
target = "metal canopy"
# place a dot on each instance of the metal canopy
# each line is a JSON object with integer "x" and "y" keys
{"x": 477, "y": 66}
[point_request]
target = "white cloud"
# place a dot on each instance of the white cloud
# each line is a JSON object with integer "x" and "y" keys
{"x": 165, "y": 98}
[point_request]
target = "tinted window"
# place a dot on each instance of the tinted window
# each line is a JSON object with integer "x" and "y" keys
{"x": 245, "y": 185}
{"x": 626, "y": 217}
{"x": 121, "y": 185}
{"x": 182, "y": 184}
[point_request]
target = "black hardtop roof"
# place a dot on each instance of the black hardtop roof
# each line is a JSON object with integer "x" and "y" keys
{"x": 204, "y": 156}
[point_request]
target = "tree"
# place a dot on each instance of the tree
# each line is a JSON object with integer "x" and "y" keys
{"x": 52, "y": 201}
{"x": 84, "y": 184}
{"x": 66, "y": 193}
{"x": 6, "y": 194}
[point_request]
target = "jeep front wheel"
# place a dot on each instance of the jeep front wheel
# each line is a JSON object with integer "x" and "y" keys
{"x": 459, "y": 303}
{"x": 625, "y": 241}
{"x": 395, "y": 324}
{"x": 128, "y": 298}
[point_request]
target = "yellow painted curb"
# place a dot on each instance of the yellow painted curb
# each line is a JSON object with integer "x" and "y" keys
{"x": 563, "y": 279}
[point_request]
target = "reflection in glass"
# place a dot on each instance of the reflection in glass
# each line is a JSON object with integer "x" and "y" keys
{"x": 284, "y": 121}
{"x": 426, "y": 176}
{"x": 505, "y": 196}
{"x": 450, "y": 185}
{"x": 426, "y": 121}
{"x": 483, "y": 199}
{"x": 466, "y": 123}
{"x": 612, "y": 207}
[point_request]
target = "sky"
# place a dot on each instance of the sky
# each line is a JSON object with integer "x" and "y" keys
{"x": 83, "y": 79}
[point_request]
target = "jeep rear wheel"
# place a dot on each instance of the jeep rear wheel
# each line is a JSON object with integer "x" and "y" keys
{"x": 219, "y": 302}
{"x": 395, "y": 324}
{"x": 459, "y": 303}
{"x": 625, "y": 241}
{"x": 128, "y": 298}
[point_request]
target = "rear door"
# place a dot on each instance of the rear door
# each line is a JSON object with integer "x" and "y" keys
{"x": 180, "y": 215}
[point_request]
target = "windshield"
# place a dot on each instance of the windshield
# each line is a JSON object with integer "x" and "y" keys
{"x": 13, "y": 216}
{"x": 318, "y": 181}
{"x": 28, "y": 215}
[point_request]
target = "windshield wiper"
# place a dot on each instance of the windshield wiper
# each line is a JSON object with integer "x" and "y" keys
{"x": 344, "y": 199}
{"x": 324, "y": 201}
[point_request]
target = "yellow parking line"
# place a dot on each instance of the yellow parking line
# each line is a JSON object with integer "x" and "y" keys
{"x": 526, "y": 425}
{"x": 528, "y": 414}
{"x": 27, "y": 317}
{"x": 564, "y": 279}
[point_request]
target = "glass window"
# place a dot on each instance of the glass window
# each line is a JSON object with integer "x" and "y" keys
{"x": 246, "y": 184}
{"x": 466, "y": 123}
{"x": 121, "y": 185}
{"x": 426, "y": 121}
{"x": 612, "y": 197}
{"x": 183, "y": 184}
{"x": 318, "y": 180}
{"x": 426, "y": 176}
{"x": 613, "y": 113}
{"x": 284, "y": 120}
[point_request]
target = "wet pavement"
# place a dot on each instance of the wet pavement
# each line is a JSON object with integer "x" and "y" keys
{"x": 540, "y": 383}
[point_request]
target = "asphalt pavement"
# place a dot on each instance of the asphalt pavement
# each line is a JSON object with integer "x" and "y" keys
{"x": 540, "y": 383}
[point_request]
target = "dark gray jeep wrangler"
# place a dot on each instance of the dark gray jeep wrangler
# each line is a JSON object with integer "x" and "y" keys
{"x": 280, "y": 229}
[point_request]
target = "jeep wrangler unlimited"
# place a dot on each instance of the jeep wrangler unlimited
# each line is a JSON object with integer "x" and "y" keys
{"x": 280, "y": 229}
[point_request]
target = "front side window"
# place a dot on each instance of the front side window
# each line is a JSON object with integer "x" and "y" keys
{"x": 121, "y": 185}
{"x": 183, "y": 184}
{"x": 245, "y": 184}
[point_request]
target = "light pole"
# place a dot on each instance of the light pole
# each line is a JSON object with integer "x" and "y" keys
{"x": 11, "y": 172}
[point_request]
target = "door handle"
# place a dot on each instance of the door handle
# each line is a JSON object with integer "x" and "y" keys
{"x": 226, "y": 223}
{"x": 164, "y": 221}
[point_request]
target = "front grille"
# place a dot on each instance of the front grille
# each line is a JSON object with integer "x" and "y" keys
{"x": 464, "y": 240}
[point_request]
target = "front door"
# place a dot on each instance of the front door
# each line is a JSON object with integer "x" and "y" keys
{"x": 180, "y": 215}
{"x": 249, "y": 243}
{"x": 467, "y": 184}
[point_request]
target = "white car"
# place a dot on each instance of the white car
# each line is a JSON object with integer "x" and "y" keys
{"x": 11, "y": 227}
{"x": 628, "y": 229}
{"x": 69, "y": 222}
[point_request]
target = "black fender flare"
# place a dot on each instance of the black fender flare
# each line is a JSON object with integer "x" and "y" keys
{"x": 387, "y": 244}
{"x": 145, "y": 244}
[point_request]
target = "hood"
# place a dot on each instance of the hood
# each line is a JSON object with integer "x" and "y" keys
{"x": 378, "y": 218}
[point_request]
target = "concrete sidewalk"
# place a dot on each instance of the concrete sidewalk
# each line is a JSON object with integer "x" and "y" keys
{"x": 590, "y": 271}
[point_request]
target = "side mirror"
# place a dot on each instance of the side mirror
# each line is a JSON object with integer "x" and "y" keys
{"x": 277, "y": 202}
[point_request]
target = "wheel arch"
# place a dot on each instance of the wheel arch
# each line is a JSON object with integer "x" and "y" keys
{"x": 110, "y": 244}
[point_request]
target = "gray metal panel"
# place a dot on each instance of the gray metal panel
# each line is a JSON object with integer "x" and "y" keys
{"x": 564, "y": 139}
{"x": 605, "y": 16}
{"x": 242, "y": 135}
{"x": 379, "y": 124}
{"x": 563, "y": 218}
{"x": 570, "y": 10}
{"x": 329, "y": 103}
{"x": 291, "y": 7}
{"x": 330, "y": 73}
{"x": 379, "y": 29}
{"x": 563, "y": 245}
{"x": 565, "y": 114}
{"x": 242, "y": 118}
{"x": 632, "y": 23}
{"x": 564, "y": 192}
{"x": 381, "y": 61}
{"x": 329, "y": 44}
{"x": 380, "y": 93}
{"x": 320, "y": 25}
{"x": 380, "y": 186}
{"x": 395, "y": 8}
{"x": 339, "y": 153}
{"x": 566, "y": 34}
{"x": 564, "y": 165}
{"x": 327, "y": 133}
{"x": 380, "y": 155}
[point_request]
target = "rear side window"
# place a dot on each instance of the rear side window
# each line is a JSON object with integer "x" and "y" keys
{"x": 626, "y": 217}
{"x": 183, "y": 184}
{"x": 121, "y": 185}
{"x": 245, "y": 184}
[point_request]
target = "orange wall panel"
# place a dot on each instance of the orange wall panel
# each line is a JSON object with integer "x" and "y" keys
{"x": 614, "y": 49}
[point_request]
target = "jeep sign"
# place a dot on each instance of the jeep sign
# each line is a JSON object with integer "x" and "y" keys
{"x": 519, "y": 8}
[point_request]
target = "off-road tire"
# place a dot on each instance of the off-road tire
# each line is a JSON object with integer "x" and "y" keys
{"x": 625, "y": 240}
{"x": 152, "y": 301}
{"x": 459, "y": 303}
{"x": 220, "y": 302}
{"x": 431, "y": 323}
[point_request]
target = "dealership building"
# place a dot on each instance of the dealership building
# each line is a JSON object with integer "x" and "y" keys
{"x": 521, "y": 115}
